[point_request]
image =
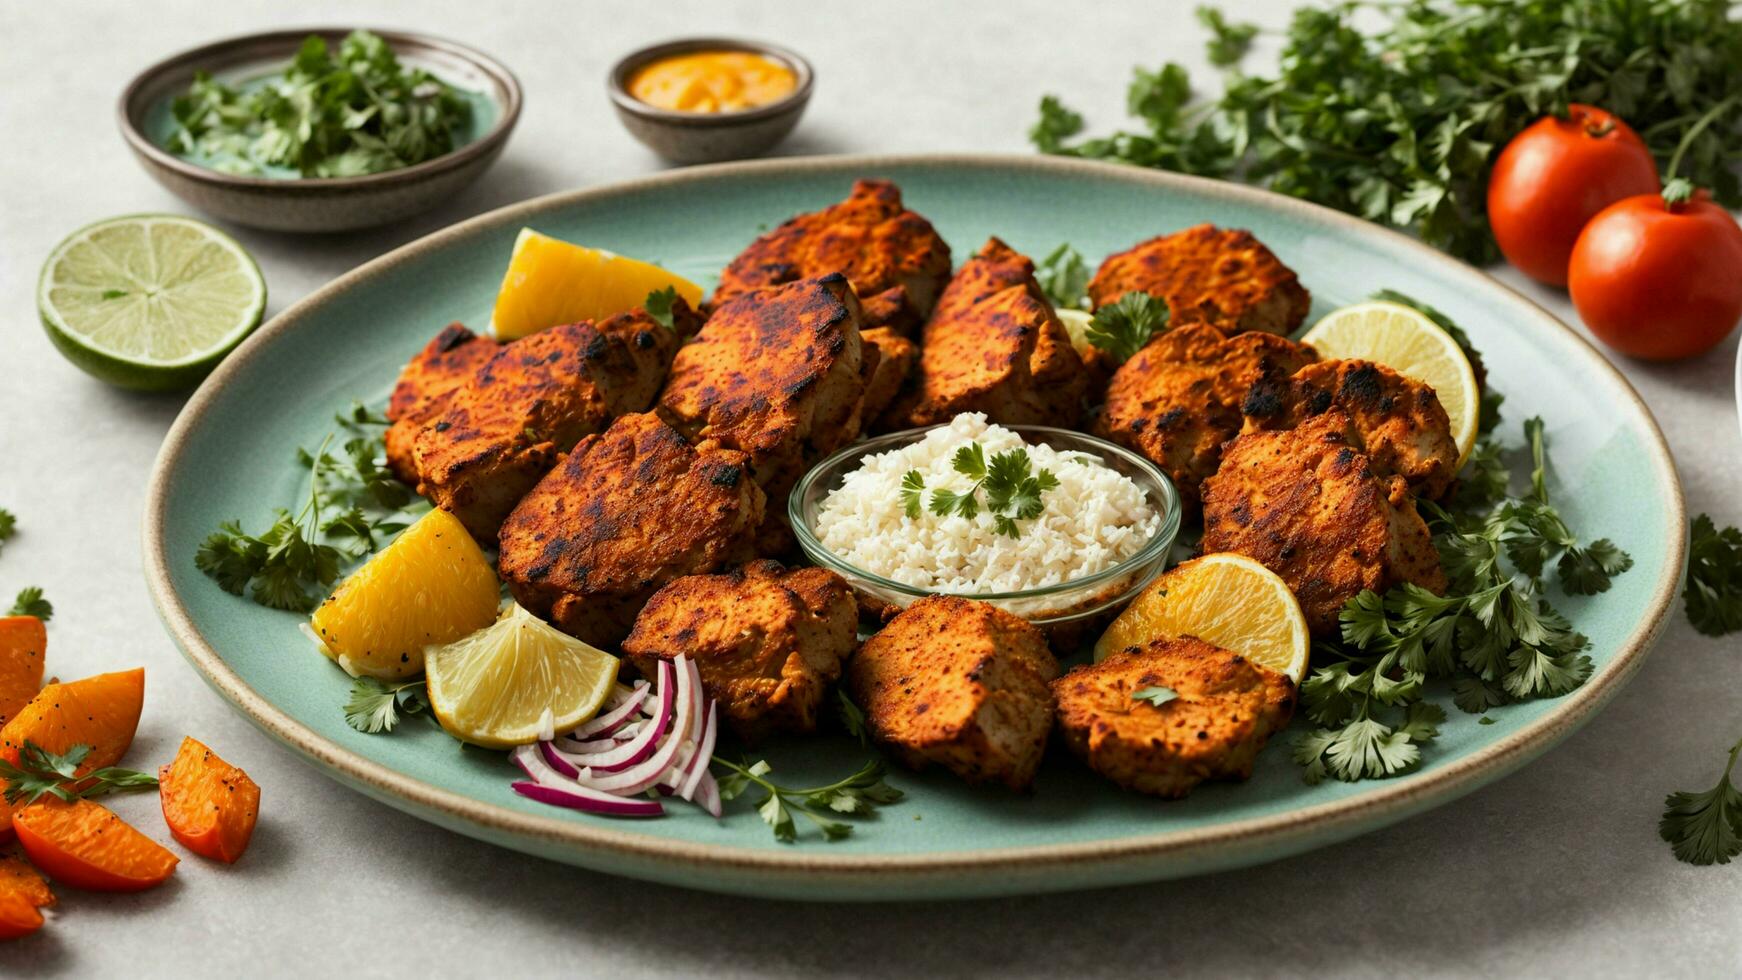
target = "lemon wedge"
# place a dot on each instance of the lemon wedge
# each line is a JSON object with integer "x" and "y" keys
{"x": 431, "y": 585}
{"x": 1226, "y": 599}
{"x": 1414, "y": 346}
{"x": 1077, "y": 325}
{"x": 550, "y": 282}
{"x": 517, "y": 681}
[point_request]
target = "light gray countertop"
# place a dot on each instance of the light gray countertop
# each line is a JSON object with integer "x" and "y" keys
{"x": 1554, "y": 871}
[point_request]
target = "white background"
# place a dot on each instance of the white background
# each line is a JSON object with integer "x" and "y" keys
{"x": 1556, "y": 870}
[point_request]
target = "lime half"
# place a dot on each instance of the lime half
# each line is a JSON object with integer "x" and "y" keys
{"x": 149, "y": 301}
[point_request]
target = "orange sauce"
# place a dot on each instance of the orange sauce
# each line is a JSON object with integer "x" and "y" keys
{"x": 712, "y": 81}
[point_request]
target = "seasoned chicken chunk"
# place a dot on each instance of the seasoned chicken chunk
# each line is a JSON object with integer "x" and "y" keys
{"x": 961, "y": 684}
{"x": 426, "y": 385}
{"x": 1223, "y": 277}
{"x": 511, "y": 422}
{"x": 767, "y": 640}
{"x": 1224, "y": 709}
{"x": 1178, "y": 399}
{"x": 1403, "y": 427}
{"x": 894, "y": 259}
{"x": 994, "y": 345}
{"x": 775, "y": 373}
{"x": 628, "y": 511}
{"x": 896, "y": 357}
{"x": 1306, "y": 503}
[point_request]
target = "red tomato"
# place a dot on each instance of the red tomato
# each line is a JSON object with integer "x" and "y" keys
{"x": 1659, "y": 281}
{"x": 1554, "y": 177}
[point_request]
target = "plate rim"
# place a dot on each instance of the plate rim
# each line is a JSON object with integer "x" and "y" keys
{"x": 1143, "y": 856}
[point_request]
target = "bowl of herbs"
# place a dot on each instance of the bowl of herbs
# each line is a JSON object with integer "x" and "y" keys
{"x": 320, "y": 130}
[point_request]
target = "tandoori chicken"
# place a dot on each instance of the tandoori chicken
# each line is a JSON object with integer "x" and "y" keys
{"x": 1223, "y": 277}
{"x": 425, "y": 386}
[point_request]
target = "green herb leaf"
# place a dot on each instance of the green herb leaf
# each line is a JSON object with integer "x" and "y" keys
{"x": 852, "y": 718}
{"x": 39, "y": 771}
{"x": 858, "y": 795}
{"x": 1122, "y": 328}
{"x": 1156, "y": 694}
{"x": 1706, "y": 827}
{"x": 912, "y": 490}
{"x": 1712, "y": 596}
{"x": 8, "y": 527}
{"x": 1228, "y": 42}
{"x": 1064, "y": 277}
{"x": 375, "y": 707}
{"x": 31, "y": 603}
{"x": 658, "y": 306}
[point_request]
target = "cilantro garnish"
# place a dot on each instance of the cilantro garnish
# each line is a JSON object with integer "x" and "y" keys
{"x": 1157, "y": 695}
{"x": 31, "y": 603}
{"x": 354, "y": 505}
{"x": 658, "y": 306}
{"x": 375, "y": 707}
{"x": 852, "y": 717}
{"x": 1395, "y": 111}
{"x": 8, "y": 526}
{"x": 39, "y": 772}
{"x": 858, "y": 795}
{"x": 1122, "y": 328}
{"x": 1712, "y": 596}
{"x": 1705, "y": 828}
{"x": 1228, "y": 42}
{"x": 1493, "y": 634}
{"x": 344, "y": 114}
{"x": 912, "y": 489}
{"x": 1064, "y": 278}
{"x": 1012, "y": 488}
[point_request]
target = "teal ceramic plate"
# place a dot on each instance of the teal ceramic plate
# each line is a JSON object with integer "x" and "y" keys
{"x": 228, "y": 456}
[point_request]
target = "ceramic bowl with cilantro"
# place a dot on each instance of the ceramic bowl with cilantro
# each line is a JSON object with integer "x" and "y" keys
{"x": 1052, "y": 525}
{"x": 323, "y": 130}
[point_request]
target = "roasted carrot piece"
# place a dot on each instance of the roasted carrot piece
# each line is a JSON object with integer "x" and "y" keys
{"x": 83, "y": 845}
{"x": 100, "y": 711}
{"x": 23, "y": 641}
{"x": 22, "y": 894}
{"x": 210, "y": 805}
{"x": 18, "y": 918}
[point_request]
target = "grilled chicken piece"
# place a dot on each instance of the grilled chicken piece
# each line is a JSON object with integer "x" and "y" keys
{"x": 1179, "y": 398}
{"x": 775, "y": 373}
{"x": 1225, "y": 709}
{"x": 894, "y": 260}
{"x": 994, "y": 345}
{"x": 1307, "y": 504}
{"x": 628, "y": 511}
{"x": 1225, "y": 278}
{"x": 508, "y": 425}
{"x": 425, "y": 387}
{"x": 768, "y": 641}
{"x": 896, "y": 357}
{"x": 1403, "y": 427}
{"x": 959, "y": 683}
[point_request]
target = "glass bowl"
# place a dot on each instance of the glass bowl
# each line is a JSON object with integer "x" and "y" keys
{"x": 1071, "y": 601}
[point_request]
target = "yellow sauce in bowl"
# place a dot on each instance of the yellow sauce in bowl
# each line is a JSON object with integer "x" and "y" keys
{"x": 713, "y": 81}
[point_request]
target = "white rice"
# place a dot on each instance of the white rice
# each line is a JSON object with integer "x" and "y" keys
{"x": 1096, "y": 518}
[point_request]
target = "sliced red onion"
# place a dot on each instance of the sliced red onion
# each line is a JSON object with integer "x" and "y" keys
{"x": 645, "y": 742}
{"x": 643, "y": 775}
{"x": 704, "y": 752}
{"x": 614, "y": 717}
{"x": 556, "y": 760}
{"x": 581, "y": 798}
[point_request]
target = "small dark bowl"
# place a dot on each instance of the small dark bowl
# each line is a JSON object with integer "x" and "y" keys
{"x": 709, "y": 137}
{"x": 319, "y": 204}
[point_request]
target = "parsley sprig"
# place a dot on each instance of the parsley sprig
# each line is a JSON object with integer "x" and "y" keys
{"x": 858, "y": 795}
{"x": 375, "y": 707}
{"x": 1705, "y": 828}
{"x": 1712, "y": 596}
{"x": 1064, "y": 277}
{"x": 30, "y": 602}
{"x": 852, "y": 718}
{"x": 1395, "y": 109}
{"x": 1013, "y": 490}
{"x": 344, "y": 114}
{"x": 353, "y": 506}
{"x": 1493, "y": 635}
{"x": 8, "y": 527}
{"x": 658, "y": 305}
{"x": 39, "y": 772}
{"x": 1121, "y": 328}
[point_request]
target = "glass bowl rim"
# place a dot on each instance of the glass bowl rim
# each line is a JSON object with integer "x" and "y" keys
{"x": 1156, "y": 547}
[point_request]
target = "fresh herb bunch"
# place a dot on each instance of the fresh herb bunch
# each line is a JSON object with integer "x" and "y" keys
{"x": 1400, "y": 123}
{"x": 858, "y": 795}
{"x": 29, "y": 602}
{"x": 40, "y": 772}
{"x": 1122, "y": 327}
{"x": 354, "y": 506}
{"x": 1493, "y": 634}
{"x": 1705, "y": 828}
{"x": 1713, "y": 594}
{"x": 1012, "y": 488}
{"x": 344, "y": 114}
{"x": 375, "y": 707}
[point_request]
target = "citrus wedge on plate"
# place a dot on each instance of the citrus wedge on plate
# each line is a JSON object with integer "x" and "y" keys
{"x": 1409, "y": 343}
{"x": 1225, "y": 599}
{"x": 1077, "y": 325}
{"x": 517, "y": 681}
{"x": 550, "y": 282}
{"x": 431, "y": 585}
{"x": 150, "y": 302}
